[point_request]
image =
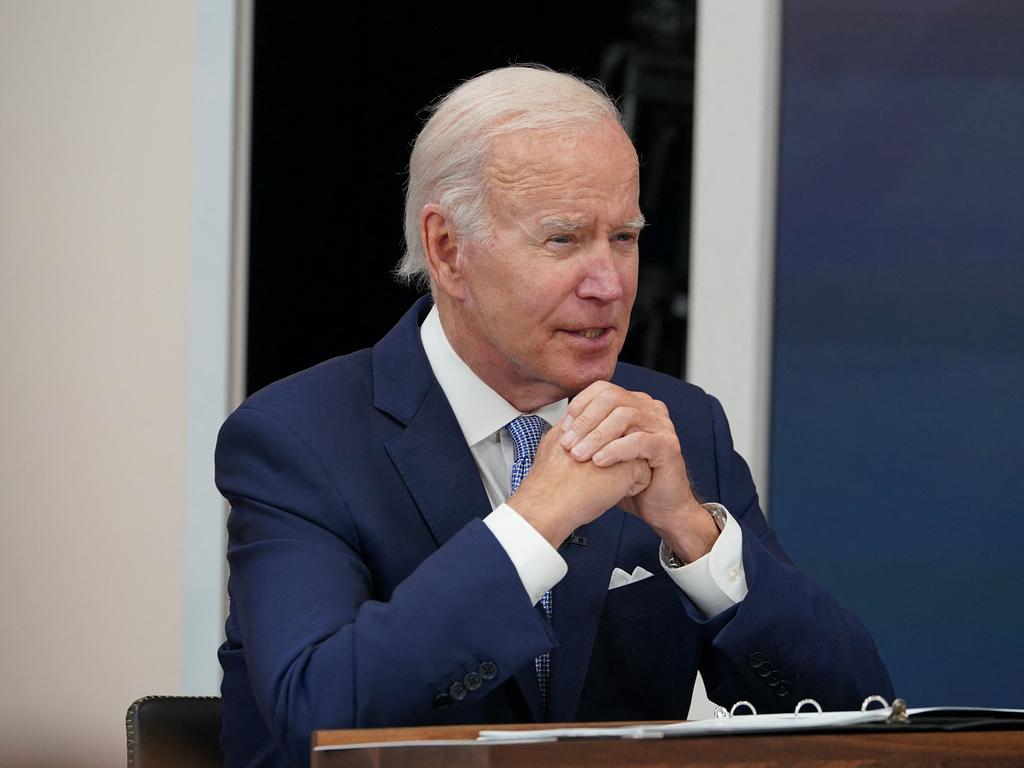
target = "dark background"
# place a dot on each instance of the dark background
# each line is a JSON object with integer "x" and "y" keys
{"x": 338, "y": 98}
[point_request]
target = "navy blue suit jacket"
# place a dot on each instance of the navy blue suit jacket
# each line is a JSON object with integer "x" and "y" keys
{"x": 364, "y": 585}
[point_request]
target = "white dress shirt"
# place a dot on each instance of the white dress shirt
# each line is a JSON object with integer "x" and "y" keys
{"x": 714, "y": 582}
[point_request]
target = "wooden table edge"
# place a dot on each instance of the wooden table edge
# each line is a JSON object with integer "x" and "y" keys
{"x": 334, "y": 738}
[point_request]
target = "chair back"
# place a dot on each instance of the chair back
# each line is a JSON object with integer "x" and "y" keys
{"x": 179, "y": 731}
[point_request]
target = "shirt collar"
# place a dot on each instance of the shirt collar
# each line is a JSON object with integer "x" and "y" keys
{"x": 480, "y": 411}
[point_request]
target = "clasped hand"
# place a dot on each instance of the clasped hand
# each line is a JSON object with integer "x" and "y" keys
{"x": 614, "y": 447}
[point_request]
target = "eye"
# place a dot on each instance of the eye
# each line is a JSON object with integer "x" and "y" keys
{"x": 562, "y": 239}
{"x": 626, "y": 237}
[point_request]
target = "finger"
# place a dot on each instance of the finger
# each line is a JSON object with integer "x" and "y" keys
{"x": 548, "y": 442}
{"x": 599, "y": 403}
{"x": 656, "y": 448}
{"x": 581, "y": 400}
{"x": 604, "y": 389}
{"x": 621, "y": 421}
{"x": 642, "y": 476}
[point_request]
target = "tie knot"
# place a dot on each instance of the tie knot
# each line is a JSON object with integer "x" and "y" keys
{"x": 526, "y": 432}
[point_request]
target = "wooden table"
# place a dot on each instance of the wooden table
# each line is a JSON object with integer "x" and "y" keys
{"x": 907, "y": 749}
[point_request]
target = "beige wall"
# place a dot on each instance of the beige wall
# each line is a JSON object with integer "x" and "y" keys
{"x": 96, "y": 109}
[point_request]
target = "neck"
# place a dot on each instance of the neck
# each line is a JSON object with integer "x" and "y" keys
{"x": 525, "y": 398}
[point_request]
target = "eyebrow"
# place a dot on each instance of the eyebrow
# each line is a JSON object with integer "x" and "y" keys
{"x": 568, "y": 225}
{"x": 562, "y": 225}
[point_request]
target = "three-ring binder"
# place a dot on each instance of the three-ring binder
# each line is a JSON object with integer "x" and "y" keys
{"x": 875, "y": 713}
{"x": 897, "y": 711}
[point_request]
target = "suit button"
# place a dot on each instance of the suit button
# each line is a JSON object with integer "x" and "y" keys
{"x": 756, "y": 659}
{"x": 472, "y": 681}
{"x": 458, "y": 691}
{"x": 766, "y": 669}
{"x": 773, "y": 679}
{"x": 488, "y": 670}
{"x": 782, "y": 690}
{"x": 442, "y": 701}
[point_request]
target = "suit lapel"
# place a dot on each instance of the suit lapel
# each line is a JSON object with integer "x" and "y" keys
{"x": 433, "y": 459}
{"x": 430, "y": 454}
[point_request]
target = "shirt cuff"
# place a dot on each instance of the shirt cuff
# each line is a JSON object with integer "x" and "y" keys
{"x": 538, "y": 564}
{"x": 715, "y": 581}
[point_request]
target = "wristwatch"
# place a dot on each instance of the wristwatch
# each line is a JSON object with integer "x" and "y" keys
{"x": 718, "y": 514}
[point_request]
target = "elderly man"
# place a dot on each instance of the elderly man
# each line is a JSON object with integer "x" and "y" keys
{"x": 485, "y": 518}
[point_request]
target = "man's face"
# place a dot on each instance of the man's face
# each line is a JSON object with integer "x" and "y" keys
{"x": 546, "y": 299}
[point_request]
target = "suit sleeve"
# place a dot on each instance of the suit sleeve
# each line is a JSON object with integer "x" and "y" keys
{"x": 788, "y": 639}
{"x": 322, "y": 650}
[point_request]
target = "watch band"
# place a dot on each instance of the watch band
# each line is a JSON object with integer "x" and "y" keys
{"x": 718, "y": 514}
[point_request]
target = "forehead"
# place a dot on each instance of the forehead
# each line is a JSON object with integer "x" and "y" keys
{"x": 593, "y": 165}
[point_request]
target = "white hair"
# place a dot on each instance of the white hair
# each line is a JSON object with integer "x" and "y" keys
{"x": 449, "y": 160}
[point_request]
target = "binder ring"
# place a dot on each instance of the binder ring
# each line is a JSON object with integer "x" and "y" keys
{"x": 874, "y": 699}
{"x": 743, "y": 703}
{"x": 800, "y": 704}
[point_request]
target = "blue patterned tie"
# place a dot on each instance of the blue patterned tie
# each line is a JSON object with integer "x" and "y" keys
{"x": 526, "y": 432}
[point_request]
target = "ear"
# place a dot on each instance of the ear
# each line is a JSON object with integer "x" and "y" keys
{"x": 442, "y": 246}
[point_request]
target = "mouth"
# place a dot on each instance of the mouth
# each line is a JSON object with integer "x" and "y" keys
{"x": 593, "y": 337}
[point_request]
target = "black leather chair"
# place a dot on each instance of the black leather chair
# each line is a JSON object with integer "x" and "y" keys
{"x": 179, "y": 731}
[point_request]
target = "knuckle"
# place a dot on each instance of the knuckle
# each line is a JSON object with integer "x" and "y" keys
{"x": 581, "y": 424}
{"x": 623, "y": 413}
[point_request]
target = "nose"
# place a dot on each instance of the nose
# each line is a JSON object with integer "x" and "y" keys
{"x": 600, "y": 277}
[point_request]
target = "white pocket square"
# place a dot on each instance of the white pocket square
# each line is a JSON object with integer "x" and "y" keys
{"x": 620, "y": 578}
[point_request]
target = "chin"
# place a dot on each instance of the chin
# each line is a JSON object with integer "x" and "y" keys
{"x": 585, "y": 375}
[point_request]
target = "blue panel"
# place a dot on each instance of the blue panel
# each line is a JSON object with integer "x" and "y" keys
{"x": 897, "y": 415}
